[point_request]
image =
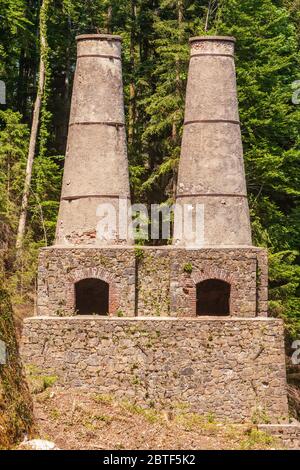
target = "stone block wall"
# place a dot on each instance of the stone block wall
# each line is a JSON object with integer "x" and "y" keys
{"x": 167, "y": 279}
{"x": 60, "y": 268}
{"x": 151, "y": 281}
{"x": 244, "y": 269}
{"x": 286, "y": 434}
{"x": 233, "y": 368}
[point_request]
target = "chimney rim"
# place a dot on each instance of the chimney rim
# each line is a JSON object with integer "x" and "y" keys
{"x": 212, "y": 38}
{"x": 100, "y": 37}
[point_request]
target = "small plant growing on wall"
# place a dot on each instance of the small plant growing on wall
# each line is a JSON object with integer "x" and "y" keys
{"x": 139, "y": 253}
{"x": 188, "y": 268}
{"x": 62, "y": 313}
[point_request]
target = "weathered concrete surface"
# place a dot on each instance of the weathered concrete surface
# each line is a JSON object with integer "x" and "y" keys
{"x": 153, "y": 281}
{"x": 96, "y": 166}
{"x": 211, "y": 168}
{"x": 233, "y": 368}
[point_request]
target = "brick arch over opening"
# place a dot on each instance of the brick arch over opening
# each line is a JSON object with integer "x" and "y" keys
{"x": 205, "y": 275}
{"x": 94, "y": 273}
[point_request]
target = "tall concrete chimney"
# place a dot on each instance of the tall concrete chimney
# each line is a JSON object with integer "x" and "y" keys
{"x": 96, "y": 166}
{"x": 211, "y": 169}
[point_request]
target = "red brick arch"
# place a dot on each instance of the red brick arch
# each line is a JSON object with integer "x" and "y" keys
{"x": 94, "y": 273}
{"x": 204, "y": 275}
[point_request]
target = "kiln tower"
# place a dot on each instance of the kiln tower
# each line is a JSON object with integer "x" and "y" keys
{"x": 96, "y": 166}
{"x": 211, "y": 168}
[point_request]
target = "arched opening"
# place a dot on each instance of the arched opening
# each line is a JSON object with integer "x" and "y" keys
{"x": 213, "y": 297}
{"x": 92, "y": 297}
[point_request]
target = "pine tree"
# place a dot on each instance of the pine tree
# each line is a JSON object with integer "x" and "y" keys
{"x": 165, "y": 105}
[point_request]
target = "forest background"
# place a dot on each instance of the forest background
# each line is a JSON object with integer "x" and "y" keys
{"x": 37, "y": 61}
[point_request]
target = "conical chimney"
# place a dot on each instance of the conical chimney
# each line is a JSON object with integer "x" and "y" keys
{"x": 96, "y": 165}
{"x": 211, "y": 170}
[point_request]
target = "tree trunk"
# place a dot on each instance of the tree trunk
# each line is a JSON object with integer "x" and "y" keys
{"x": 132, "y": 91}
{"x": 108, "y": 20}
{"x": 180, "y": 12}
{"x": 211, "y": 12}
{"x": 207, "y": 17}
{"x": 34, "y": 130}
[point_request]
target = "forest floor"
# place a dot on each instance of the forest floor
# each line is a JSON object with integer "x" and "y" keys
{"x": 75, "y": 419}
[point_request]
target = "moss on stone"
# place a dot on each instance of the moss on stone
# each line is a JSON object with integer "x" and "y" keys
{"x": 139, "y": 253}
{"x": 16, "y": 416}
{"x": 188, "y": 268}
{"x": 37, "y": 381}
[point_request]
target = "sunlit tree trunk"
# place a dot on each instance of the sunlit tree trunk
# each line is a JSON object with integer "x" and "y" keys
{"x": 108, "y": 20}
{"x": 211, "y": 11}
{"x": 34, "y": 127}
{"x": 132, "y": 89}
{"x": 180, "y": 13}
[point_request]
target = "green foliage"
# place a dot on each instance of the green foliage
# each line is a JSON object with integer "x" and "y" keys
{"x": 14, "y": 138}
{"x": 188, "y": 268}
{"x": 260, "y": 416}
{"x": 139, "y": 253}
{"x": 149, "y": 414}
{"x": 13, "y": 15}
{"x": 13, "y": 151}
{"x": 257, "y": 439}
{"x": 284, "y": 293}
{"x": 37, "y": 380}
{"x": 164, "y": 105}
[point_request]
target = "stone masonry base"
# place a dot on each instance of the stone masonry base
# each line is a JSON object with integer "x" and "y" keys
{"x": 152, "y": 281}
{"x": 287, "y": 434}
{"x": 233, "y": 367}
